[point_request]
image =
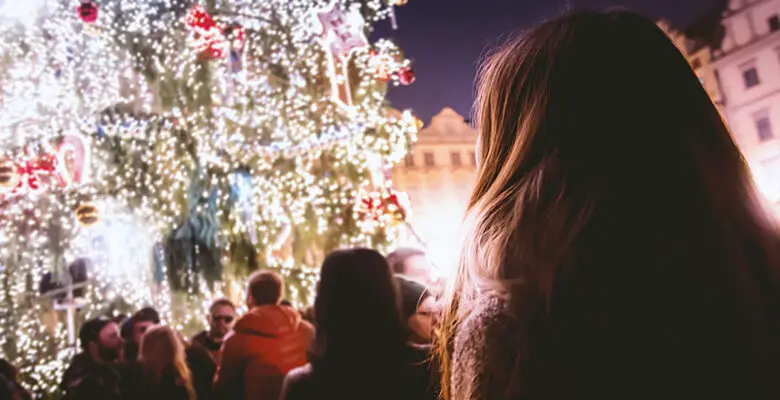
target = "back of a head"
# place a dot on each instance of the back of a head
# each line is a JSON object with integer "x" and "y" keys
{"x": 266, "y": 288}
{"x": 356, "y": 308}
{"x": 146, "y": 314}
{"x": 398, "y": 257}
{"x": 614, "y": 207}
{"x": 161, "y": 349}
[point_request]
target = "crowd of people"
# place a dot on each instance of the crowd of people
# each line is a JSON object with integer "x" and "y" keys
{"x": 616, "y": 248}
{"x": 371, "y": 323}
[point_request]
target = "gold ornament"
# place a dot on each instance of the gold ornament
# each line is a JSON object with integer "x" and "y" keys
{"x": 7, "y": 173}
{"x": 87, "y": 214}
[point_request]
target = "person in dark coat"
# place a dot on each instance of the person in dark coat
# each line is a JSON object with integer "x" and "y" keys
{"x": 222, "y": 314}
{"x": 10, "y": 385}
{"x": 91, "y": 374}
{"x": 361, "y": 348}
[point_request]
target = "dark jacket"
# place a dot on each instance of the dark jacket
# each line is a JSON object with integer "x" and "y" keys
{"x": 86, "y": 379}
{"x": 419, "y": 381}
{"x": 203, "y": 369}
{"x": 12, "y": 390}
{"x": 265, "y": 345}
{"x": 213, "y": 348}
{"x": 137, "y": 386}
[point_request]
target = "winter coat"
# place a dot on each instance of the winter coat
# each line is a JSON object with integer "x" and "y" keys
{"x": 12, "y": 390}
{"x": 419, "y": 382}
{"x": 86, "y": 379}
{"x": 214, "y": 348}
{"x": 203, "y": 368}
{"x": 264, "y": 346}
{"x": 137, "y": 386}
{"x": 585, "y": 349}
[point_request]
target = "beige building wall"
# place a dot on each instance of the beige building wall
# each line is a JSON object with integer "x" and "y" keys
{"x": 438, "y": 176}
{"x": 748, "y": 65}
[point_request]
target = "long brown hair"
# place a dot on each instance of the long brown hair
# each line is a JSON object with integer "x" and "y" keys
{"x": 162, "y": 358}
{"x": 357, "y": 310}
{"x": 602, "y": 159}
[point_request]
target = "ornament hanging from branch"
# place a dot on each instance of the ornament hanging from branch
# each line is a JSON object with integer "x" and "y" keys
{"x": 87, "y": 214}
{"x": 381, "y": 64}
{"x": 207, "y": 37}
{"x": 88, "y": 12}
{"x": 383, "y": 206}
{"x": 66, "y": 165}
{"x": 342, "y": 34}
{"x": 406, "y": 76}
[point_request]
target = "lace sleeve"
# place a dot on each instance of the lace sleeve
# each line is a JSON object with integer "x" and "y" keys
{"x": 484, "y": 353}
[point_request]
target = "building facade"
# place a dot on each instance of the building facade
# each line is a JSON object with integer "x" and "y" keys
{"x": 438, "y": 175}
{"x": 748, "y": 70}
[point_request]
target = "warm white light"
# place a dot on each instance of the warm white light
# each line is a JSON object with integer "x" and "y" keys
{"x": 25, "y": 11}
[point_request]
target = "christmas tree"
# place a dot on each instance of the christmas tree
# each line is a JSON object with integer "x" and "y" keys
{"x": 151, "y": 148}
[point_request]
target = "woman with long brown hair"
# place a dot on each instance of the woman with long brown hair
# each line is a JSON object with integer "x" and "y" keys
{"x": 361, "y": 348}
{"x": 163, "y": 371}
{"x": 616, "y": 247}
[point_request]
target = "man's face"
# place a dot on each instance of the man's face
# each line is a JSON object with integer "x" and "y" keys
{"x": 420, "y": 269}
{"x": 109, "y": 342}
{"x": 221, "y": 320}
{"x": 139, "y": 328}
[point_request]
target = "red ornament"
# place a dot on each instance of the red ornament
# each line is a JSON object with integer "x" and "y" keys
{"x": 88, "y": 12}
{"x": 208, "y": 39}
{"x": 406, "y": 76}
{"x": 384, "y": 205}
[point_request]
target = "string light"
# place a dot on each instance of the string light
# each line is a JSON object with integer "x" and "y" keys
{"x": 168, "y": 114}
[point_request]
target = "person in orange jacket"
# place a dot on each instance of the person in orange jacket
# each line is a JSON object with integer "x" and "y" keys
{"x": 266, "y": 343}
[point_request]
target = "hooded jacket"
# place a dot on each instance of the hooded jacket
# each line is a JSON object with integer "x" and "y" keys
{"x": 264, "y": 346}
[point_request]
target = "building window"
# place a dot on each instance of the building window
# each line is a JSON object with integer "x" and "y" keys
{"x": 750, "y": 75}
{"x": 429, "y": 161}
{"x": 455, "y": 158}
{"x": 696, "y": 63}
{"x": 774, "y": 23}
{"x": 763, "y": 127}
{"x": 409, "y": 160}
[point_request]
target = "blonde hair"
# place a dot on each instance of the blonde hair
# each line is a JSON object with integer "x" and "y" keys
{"x": 162, "y": 350}
{"x": 551, "y": 108}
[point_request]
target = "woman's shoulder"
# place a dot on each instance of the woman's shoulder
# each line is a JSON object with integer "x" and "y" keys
{"x": 298, "y": 384}
{"x": 489, "y": 317}
{"x": 485, "y": 349}
{"x": 303, "y": 373}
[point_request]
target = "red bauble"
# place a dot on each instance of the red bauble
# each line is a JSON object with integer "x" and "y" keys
{"x": 88, "y": 12}
{"x": 406, "y": 76}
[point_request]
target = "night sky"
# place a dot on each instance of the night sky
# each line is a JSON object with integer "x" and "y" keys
{"x": 445, "y": 39}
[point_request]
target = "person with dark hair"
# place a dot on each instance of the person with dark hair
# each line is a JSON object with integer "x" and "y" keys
{"x": 200, "y": 363}
{"x": 413, "y": 264}
{"x": 10, "y": 385}
{"x": 135, "y": 327}
{"x": 616, "y": 247}
{"x": 91, "y": 373}
{"x": 266, "y": 343}
{"x": 222, "y": 313}
{"x": 361, "y": 349}
{"x": 418, "y": 310}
